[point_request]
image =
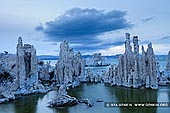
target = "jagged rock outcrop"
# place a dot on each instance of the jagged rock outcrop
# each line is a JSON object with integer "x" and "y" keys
{"x": 92, "y": 77}
{"x": 150, "y": 65}
{"x": 8, "y": 64}
{"x": 69, "y": 70}
{"x": 162, "y": 78}
{"x": 87, "y": 102}
{"x": 20, "y": 72}
{"x": 7, "y": 77}
{"x": 44, "y": 70}
{"x": 27, "y": 74}
{"x": 133, "y": 70}
{"x": 96, "y": 60}
{"x": 60, "y": 98}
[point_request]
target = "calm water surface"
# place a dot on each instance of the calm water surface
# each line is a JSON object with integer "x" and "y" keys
{"x": 106, "y": 93}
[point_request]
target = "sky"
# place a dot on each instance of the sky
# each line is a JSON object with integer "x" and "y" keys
{"x": 89, "y": 26}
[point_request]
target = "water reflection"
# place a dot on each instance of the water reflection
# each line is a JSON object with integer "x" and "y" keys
{"x": 26, "y": 104}
{"x": 7, "y": 108}
{"x": 135, "y": 95}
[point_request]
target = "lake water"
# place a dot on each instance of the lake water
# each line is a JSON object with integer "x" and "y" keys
{"x": 161, "y": 61}
{"x": 94, "y": 91}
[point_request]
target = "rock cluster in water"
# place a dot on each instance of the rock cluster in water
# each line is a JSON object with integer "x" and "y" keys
{"x": 69, "y": 70}
{"x": 27, "y": 74}
{"x": 92, "y": 77}
{"x": 60, "y": 98}
{"x": 24, "y": 74}
{"x": 96, "y": 60}
{"x": 19, "y": 73}
{"x": 134, "y": 70}
{"x": 44, "y": 70}
{"x": 167, "y": 69}
{"x": 164, "y": 76}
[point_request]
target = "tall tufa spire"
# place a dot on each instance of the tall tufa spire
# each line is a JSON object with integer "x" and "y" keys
{"x": 20, "y": 44}
{"x": 135, "y": 44}
{"x": 128, "y": 47}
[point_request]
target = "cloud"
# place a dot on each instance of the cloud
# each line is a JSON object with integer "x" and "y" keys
{"x": 147, "y": 19}
{"x": 95, "y": 47}
{"x": 163, "y": 40}
{"x": 83, "y": 26}
{"x": 39, "y": 28}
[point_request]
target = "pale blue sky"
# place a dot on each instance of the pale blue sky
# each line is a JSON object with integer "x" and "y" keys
{"x": 149, "y": 19}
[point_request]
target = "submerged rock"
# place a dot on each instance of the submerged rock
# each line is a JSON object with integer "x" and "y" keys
{"x": 87, "y": 102}
{"x": 60, "y": 98}
{"x": 63, "y": 101}
{"x": 3, "y": 100}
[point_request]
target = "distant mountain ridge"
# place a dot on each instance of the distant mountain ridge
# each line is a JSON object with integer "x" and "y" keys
{"x": 52, "y": 57}
{"x": 48, "y": 57}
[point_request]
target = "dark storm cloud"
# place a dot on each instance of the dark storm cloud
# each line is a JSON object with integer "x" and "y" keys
{"x": 82, "y": 26}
